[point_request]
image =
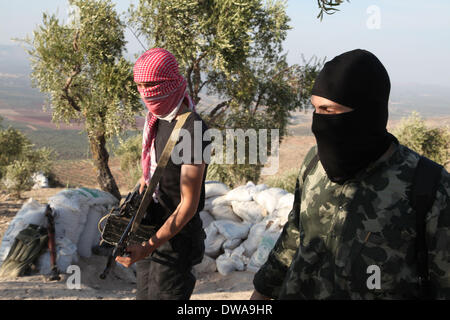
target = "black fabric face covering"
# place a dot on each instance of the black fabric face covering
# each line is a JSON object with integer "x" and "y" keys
{"x": 349, "y": 142}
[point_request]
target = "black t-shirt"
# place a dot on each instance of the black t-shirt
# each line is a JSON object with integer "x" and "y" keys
{"x": 169, "y": 185}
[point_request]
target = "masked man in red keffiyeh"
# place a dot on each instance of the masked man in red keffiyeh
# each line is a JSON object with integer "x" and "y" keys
{"x": 165, "y": 262}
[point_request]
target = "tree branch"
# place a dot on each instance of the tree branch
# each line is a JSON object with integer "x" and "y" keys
{"x": 218, "y": 107}
{"x": 212, "y": 119}
{"x": 75, "y": 72}
{"x": 65, "y": 90}
{"x": 202, "y": 85}
{"x": 189, "y": 80}
{"x": 258, "y": 101}
{"x": 195, "y": 87}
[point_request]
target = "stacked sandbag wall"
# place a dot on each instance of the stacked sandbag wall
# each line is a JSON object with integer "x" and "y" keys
{"x": 242, "y": 225}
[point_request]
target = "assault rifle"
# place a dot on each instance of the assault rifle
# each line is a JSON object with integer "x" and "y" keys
{"x": 126, "y": 213}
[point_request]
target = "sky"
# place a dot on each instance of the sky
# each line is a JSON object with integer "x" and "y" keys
{"x": 410, "y": 37}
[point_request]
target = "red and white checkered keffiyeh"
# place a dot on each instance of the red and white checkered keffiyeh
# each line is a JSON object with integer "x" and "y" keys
{"x": 159, "y": 66}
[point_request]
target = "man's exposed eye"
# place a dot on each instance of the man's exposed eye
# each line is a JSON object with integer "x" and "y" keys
{"x": 326, "y": 109}
{"x": 149, "y": 84}
{"x": 153, "y": 84}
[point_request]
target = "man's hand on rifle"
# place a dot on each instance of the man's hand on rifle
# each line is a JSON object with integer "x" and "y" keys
{"x": 143, "y": 184}
{"x": 136, "y": 252}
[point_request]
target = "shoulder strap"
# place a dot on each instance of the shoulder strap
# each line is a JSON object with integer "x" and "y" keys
{"x": 423, "y": 194}
{"x": 310, "y": 166}
{"x": 159, "y": 170}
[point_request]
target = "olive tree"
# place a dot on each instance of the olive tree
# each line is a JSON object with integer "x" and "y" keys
{"x": 232, "y": 50}
{"x": 81, "y": 68}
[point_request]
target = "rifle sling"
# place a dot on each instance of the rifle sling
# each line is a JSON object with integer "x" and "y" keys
{"x": 159, "y": 170}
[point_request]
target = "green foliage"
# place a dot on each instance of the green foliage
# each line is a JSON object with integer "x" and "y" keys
{"x": 231, "y": 48}
{"x": 129, "y": 152}
{"x": 432, "y": 143}
{"x": 81, "y": 68}
{"x": 12, "y": 145}
{"x": 328, "y": 7}
{"x": 287, "y": 180}
{"x": 19, "y": 160}
{"x": 17, "y": 178}
{"x": 233, "y": 175}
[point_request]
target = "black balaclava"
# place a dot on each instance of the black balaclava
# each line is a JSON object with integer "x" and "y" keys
{"x": 349, "y": 142}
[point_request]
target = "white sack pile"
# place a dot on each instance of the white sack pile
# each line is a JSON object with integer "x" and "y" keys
{"x": 242, "y": 225}
{"x": 77, "y": 213}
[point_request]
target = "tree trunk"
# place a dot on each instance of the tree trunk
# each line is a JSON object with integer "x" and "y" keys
{"x": 100, "y": 155}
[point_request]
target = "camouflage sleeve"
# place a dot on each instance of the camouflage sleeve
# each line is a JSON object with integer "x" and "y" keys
{"x": 438, "y": 236}
{"x": 269, "y": 279}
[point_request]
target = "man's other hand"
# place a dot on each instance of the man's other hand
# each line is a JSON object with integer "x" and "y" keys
{"x": 137, "y": 252}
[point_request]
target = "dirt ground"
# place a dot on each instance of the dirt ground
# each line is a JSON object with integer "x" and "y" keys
{"x": 120, "y": 285}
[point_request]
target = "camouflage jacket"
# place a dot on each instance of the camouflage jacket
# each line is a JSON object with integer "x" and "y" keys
{"x": 335, "y": 232}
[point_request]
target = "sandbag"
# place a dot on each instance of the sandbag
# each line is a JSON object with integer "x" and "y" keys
{"x": 213, "y": 241}
{"x": 256, "y": 234}
{"x": 240, "y": 193}
{"x": 99, "y": 197}
{"x": 231, "y": 244}
{"x": 72, "y": 208}
{"x": 286, "y": 201}
{"x": 254, "y": 238}
{"x": 215, "y": 188}
{"x": 224, "y": 213}
{"x": 90, "y": 236}
{"x": 216, "y": 201}
{"x": 232, "y": 230}
{"x": 230, "y": 261}
{"x": 71, "y": 199}
{"x": 249, "y": 211}
{"x": 65, "y": 256}
{"x": 266, "y": 245}
{"x": 282, "y": 214}
{"x": 261, "y": 187}
{"x": 269, "y": 198}
{"x": 206, "y": 218}
{"x": 69, "y": 223}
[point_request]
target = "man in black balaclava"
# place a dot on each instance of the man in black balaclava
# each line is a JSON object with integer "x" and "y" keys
{"x": 357, "y": 229}
{"x": 347, "y": 142}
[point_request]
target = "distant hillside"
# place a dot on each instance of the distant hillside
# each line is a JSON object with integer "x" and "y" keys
{"x": 22, "y": 107}
{"x": 429, "y": 101}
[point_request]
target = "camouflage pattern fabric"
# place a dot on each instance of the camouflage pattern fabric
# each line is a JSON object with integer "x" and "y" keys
{"x": 335, "y": 232}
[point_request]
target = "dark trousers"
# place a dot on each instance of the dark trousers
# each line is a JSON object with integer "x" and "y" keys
{"x": 167, "y": 273}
